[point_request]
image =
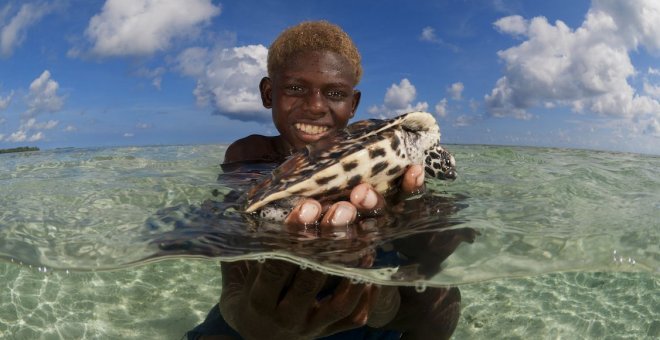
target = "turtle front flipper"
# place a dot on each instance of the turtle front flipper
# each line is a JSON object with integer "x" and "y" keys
{"x": 440, "y": 163}
{"x": 277, "y": 211}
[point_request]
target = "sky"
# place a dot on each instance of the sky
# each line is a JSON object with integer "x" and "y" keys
{"x": 564, "y": 73}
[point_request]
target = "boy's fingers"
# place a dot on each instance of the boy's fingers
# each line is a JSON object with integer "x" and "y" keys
{"x": 366, "y": 200}
{"x": 413, "y": 179}
{"x": 363, "y": 199}
{"x": 338, "y": 217}
{"x": 308, "y": 211}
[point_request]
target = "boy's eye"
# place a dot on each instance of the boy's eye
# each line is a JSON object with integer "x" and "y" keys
{"x": 294, "y": 88}
{"x": 336, "y": 94}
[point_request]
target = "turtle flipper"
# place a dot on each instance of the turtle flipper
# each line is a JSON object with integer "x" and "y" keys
{"x": 278, "y": 211}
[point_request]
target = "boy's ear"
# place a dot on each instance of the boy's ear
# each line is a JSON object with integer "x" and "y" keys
{"x": 266, "y": 90}
{"x": 356, "y": 101}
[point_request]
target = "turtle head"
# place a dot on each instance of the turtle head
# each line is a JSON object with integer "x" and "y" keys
{"x": 439, "y": 163}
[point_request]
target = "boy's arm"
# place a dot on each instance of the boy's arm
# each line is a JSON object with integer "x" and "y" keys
{"x": 432, "y": 314}
{"x": 250, "y": 148}
{"x": 243, "y": 297}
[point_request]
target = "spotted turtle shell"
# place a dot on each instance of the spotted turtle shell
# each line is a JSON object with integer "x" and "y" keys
{"x": 374, "y": 151}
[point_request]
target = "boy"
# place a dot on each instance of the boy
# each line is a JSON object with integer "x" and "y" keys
{"x": 313, "y": 69}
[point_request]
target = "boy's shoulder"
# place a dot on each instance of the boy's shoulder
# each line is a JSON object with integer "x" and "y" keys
{"x": 253, "y": 148}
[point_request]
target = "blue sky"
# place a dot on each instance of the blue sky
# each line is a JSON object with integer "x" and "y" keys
{"x": 139, "y": 72}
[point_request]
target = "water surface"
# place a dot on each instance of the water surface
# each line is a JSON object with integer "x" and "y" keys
{"x": 588, "y": 221}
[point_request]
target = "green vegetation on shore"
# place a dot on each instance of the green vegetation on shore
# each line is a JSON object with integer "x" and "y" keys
{"x": 19, "y": 149}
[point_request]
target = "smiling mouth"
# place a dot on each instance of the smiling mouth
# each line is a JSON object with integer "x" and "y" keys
{"x": 311, "y": 129}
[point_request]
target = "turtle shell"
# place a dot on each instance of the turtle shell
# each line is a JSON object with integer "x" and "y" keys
{"x": 374, "y": 151}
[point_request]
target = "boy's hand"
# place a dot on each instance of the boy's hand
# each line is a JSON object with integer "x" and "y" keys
{"x": 363, "y": 199}
{"x": 278, "y": 300}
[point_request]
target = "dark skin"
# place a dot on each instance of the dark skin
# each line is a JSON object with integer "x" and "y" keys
{"x": 312, "y": 96}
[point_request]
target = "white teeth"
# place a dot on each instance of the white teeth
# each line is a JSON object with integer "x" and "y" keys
{"x": 311, "y": 129}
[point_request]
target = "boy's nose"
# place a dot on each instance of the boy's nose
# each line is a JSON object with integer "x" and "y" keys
{"x": 316, "y": 102}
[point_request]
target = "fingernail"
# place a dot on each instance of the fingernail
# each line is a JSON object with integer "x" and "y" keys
{"x": 308, "y": 213}
{"x": 342, "y": 216}
{"x": 420, "y": 179}
{"x": 370, "y": 199}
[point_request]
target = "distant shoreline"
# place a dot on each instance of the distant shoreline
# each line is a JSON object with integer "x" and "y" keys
{"x": 19, "y": 149}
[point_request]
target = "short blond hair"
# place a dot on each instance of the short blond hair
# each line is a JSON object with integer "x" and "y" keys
{"x": 313, "y": 36}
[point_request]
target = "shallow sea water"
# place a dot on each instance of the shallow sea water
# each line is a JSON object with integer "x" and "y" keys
{"x": 565, "y": 242}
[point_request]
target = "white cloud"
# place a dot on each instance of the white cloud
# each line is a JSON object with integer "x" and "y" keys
{"x": 141, "y": 27}
{"x": 514, "y": 25}
{"x": 586, "y": 69}
{"x": 21, "y": 136}
{"x": 43, "y": 96}
{"x": 398, "y": 100}
{"x": 31, "y": 127}
{"x": 33, "y": 124}
{"x": 70, "y": 128}
{"x": 2, "y": 120}
{"x": 228, "y": 78}
{"x": 652, "y": 90}
{"x": 36, "y": 137}
{"x": 652, "y": 128}
{"x": 18, "y": 136}
{"x": 194, "y": 61}
{"x": 505, "y": 102}
{"x": 14, "y": 32}
{"x": 156, "y": 75}
{"x": 654, "y": 71}
{"x": 456, "y": 90}
{"x": 428, "y": 35}
{"x": 129, "y": 135}
{"x": 464, "y": 120}
{"x": 400, "y": 96}
{"x": 441, "y": 108}
{"x": 637, "y": 23}
{"x": 4, "y": 101}
{"x": 474, "y": 105}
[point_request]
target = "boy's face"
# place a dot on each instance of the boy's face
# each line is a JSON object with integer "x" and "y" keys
{"x": 311, "y": 96}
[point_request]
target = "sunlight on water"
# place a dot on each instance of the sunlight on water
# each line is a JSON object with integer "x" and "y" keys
{"x": 513, "y": 213}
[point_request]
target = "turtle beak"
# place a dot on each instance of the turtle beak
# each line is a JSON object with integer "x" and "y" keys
{"x": 450, "y": 174}
{"x": 450, "y": 166}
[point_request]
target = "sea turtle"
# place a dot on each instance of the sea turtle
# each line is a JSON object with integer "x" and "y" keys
{"x": 373, "y": 151}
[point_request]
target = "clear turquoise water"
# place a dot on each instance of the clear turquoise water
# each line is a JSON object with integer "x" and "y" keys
{"x": 567, "y": 245}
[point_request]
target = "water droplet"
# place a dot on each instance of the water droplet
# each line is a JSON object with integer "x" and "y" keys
{"x": 355, "y": 280}
{"x": 303, "y": 266}
{"x": 261, "y": 259}
{"x": 420, "y": 287}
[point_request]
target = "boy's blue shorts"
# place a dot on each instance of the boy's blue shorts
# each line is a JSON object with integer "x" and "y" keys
{"x": 214, "y": 324}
